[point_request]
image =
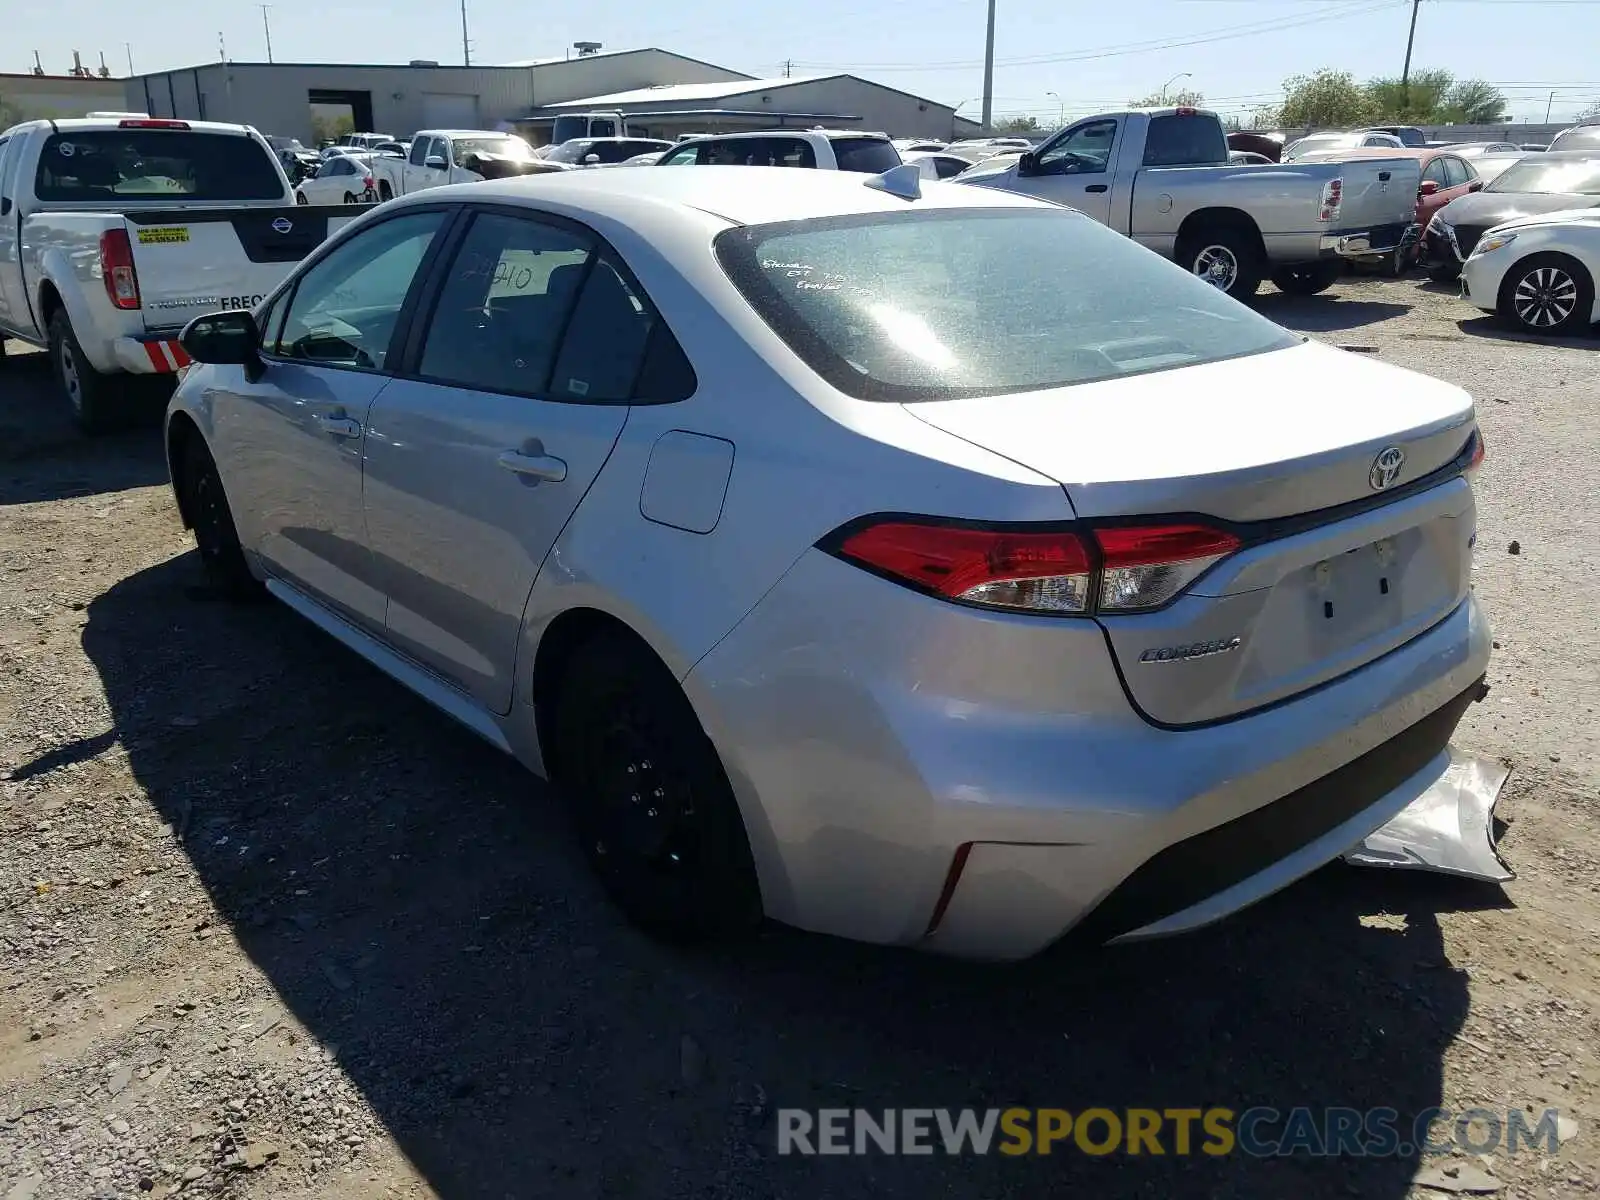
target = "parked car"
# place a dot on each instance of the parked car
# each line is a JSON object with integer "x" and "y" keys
{"x": 365, "y": 142}
{"x": 823, "y": 149}
{"x": 118, "y": 230}
{"x": 1338, "y": 143}
{"x": 1445, "y": 177}
{"x": 937, "y": 165}
{"x": 1538, "y": 272}
{"x": 982, "y": 148}
{"x": 918, "y": 146}
{"x": 393, "y": 149}
{"x": 906, "y": 652}
{"x": 344, "y": 179}
{"x": 1145, "y": 173}
{"x": 1540, "y": 183}
{"x": 1480, "y": 149}
{"x": 1248, "y": 158}
{"x": 1534, "y": 147}
{"x": 1409, "y": 135}
{"x": 643, "y": 160}
{"x": 441, "y": 156}
{"x": 1491, "y": 166}
{"x": 1268, "y": 146}
{"x": 1579, "y": 137}
{"x": 604, "y": 152}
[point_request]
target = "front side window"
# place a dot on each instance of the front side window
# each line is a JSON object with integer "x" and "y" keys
{"x": 419, "y": 151}
{"x": 686, "y": 157}
{"x": 1082, "y": 151}
{"x": 155, "y": 164}
{"x": 500, "y": 316}
{"x": 345, "y": 306}
{"x": 951, "y": 303}
{"x": 1457, "y": 172}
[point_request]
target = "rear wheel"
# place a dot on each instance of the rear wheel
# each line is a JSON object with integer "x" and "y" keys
{"x": 98, "y": 403}
{"x": 349, "y": 198}
{"x": 653, "y": 807}
{"x": 1228, "y": 257}
{"x": 206, "y": 506}
{"x": 385, "y": 192}
{"x": 1548, "y": 294}
{"x": 1307, "y": 280}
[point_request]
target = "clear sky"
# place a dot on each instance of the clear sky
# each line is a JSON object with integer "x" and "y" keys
{"x": 1052, "y": 56}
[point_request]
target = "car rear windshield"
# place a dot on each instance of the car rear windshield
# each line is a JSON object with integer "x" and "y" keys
{"x": 1185, "y": 140}
{"x": 155, "y": 164}
{"x": 1574, "y": 177}
{"x": 874, "y": 156}
{"x": 942, "y": 304}
{"x": 499, "y": 147}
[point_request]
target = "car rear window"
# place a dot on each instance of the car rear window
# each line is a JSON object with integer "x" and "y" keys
{"x": 873, "y": 156}
{"x": 155, "y": 164}
{"x": 1185, "y": 141}
{"x": 942, "y": 304}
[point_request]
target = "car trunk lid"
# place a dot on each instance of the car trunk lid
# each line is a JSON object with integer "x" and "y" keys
{"x": 1329, "y": 575}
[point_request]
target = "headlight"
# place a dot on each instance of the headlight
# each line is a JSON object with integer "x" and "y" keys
{"x": 1487, "y": 244}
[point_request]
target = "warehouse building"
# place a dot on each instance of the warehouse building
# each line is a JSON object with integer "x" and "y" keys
{"x": 679, "y": 93}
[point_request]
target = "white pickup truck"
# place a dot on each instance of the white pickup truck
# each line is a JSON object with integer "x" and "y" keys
{"x": 441, "y": 156}
{"x": 117, "y": 229}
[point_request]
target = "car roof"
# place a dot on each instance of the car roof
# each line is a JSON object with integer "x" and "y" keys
{"x": 762, "y": 133}
{"x": 1421, "y": 153}
{"x": 742, "y": 195}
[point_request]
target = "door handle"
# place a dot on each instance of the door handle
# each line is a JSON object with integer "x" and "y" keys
{"x": 339, "y": 425}
{"x": 1095, "y": 187}
{"x": 534, "y": 467}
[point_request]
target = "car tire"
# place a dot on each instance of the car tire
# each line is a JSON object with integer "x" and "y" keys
{"x": 1551, "y": 288}
{"x": 655, "y": 814}
{"x": 97, "y": 403}
{"x": 385, "y": 192}
{"x": 205, "y": 507}
{"x": 1440, "y": 272}
{"x": 1226, "y": 256}
{"x": 1307, "y": 280}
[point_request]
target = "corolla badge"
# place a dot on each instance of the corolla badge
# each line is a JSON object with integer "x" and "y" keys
{"x": 1386, "y": 468}
{"x": 1166, "y": 654}
{"x": 283, "y": 225}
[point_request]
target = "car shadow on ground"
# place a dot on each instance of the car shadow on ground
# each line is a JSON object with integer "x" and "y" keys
{"x": 1325, "y": 314}
{"x": 1492, "y": 329}
{"x": 417, "y": 903}
{"x": 34, "y": 424}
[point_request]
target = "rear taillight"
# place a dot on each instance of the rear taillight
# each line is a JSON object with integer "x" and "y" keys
{"x": 1332, "y": 195}
{"x": 368, "y": 183}
{"x": 152, "y": 123}
{"x": 116, "y": 268}
{"x": 1115, "y": 569}
{"x": 1475, "y": 456}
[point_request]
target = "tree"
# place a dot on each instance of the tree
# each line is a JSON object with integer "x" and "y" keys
{"x": 1436, "y": 97}
{"x": 1474, "y": 102}
{"x": 1016, "y": 123}
{"x": 1183, "y": 99}
{"x": 1592, "y": 113}
{"x": 331, "y": 128}
{"x": 1325, "y": 97}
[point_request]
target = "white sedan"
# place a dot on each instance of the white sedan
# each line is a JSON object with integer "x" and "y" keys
{"x": 920, "y": 563}
{"x": 342, "y": 179}
{"x": 1539, "y": 272}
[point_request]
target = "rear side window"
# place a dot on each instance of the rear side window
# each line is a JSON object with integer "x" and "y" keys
{"x": 1185, "y": 141}
{"x": 872, "y": 156}
{"x": 605, "y": 342}
{"x": 758, "y": 152}
{"x": 155, "y": 164}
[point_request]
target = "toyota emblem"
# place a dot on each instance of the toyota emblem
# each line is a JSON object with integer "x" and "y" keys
{"x": 283, "y": 224}
{"x": 1386, "y": 468}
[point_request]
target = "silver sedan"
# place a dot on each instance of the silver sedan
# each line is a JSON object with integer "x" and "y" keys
{"x": 917, "y": 563}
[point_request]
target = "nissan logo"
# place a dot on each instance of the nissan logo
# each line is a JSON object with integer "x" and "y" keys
{"x": 1386, "y": 468}
{"x": 283, "y": 225}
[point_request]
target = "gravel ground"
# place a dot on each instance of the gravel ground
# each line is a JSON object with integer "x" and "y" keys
{"x": 271, "y": 927}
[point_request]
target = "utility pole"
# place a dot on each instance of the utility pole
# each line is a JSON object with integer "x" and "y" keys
{"x": 466, "y": 46}
{"x": 988, "y": 75}
{"x": 128, "y": 46}
{"x": 267, "y": 26}
{"x": 1549, "y": 104}
{"x": 1405, "y": 73}
{"x": 788, "y": 66}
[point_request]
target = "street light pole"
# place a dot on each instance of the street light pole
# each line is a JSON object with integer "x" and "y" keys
{"x": 1173, "y": 80}
{"x": 988, "y": 74}
{"x": 1549, "y": 104}
{"x": 1061, "y": 110}
{"x": 267, "y": 26}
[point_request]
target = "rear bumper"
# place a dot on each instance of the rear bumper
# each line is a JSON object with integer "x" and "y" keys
{"x": 152, "y": 354}
{"x": 1378, "y": 242}
{"x": 870, "y": 734}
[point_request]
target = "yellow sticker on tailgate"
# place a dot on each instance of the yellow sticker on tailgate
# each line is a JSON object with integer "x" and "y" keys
{"x": 164, "y": 233}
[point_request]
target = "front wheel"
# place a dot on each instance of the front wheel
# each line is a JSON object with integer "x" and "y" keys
{"x": 205, "y": 505}
{"x": 1548, "y": 294}
{"x": 653, "y": 807}
{"x": 1227, "y": 257}
{"x": 1307, "y": 280}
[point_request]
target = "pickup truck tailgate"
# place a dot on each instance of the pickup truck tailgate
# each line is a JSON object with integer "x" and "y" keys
{"x": 198, "y": 260}
{"x": 1378, "y": 192}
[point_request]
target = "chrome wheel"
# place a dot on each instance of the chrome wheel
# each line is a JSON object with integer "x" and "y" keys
{"x": 1218, "y": 266}
{"x": 1545, "y": 297}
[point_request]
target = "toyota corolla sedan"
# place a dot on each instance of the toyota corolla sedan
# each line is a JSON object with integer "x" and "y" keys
{"x": 917, "y": 563}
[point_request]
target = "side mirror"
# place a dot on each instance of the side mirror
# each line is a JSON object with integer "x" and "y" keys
{"x": 436, "y": 162}
{"x": 1428, "y": 188}
{"x": 590, "y": 159}
{"x": 1475, "y": 186}
{"x": 1028, "y": 164}
{"x": 226, "y": 337}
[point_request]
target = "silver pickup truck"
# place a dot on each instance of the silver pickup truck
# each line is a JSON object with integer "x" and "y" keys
{"x": 1161, "y": 176}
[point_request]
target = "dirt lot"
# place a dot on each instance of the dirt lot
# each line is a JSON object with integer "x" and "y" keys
{"x": 271, "y": 927}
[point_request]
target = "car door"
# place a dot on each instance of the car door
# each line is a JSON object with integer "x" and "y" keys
{"x": 290, "y": 440}
{"x": 417, "y": 174}
{"x": 332, "y": 182}
{"x": 516, "y": 389}
{"x": 10, "y": 246}
{"x": 1074, "y": 168}
{"x": 1460, "y": 176}
{"x": 1428, "y": 204}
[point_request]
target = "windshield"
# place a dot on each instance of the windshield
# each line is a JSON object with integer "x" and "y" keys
{"x": 1579, "y": 137}
{"x": 500, "y": 147}
{"x": 1576, "y": 177}
{"x": 938, "y": 305}
{"x": 156, "y": 164}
